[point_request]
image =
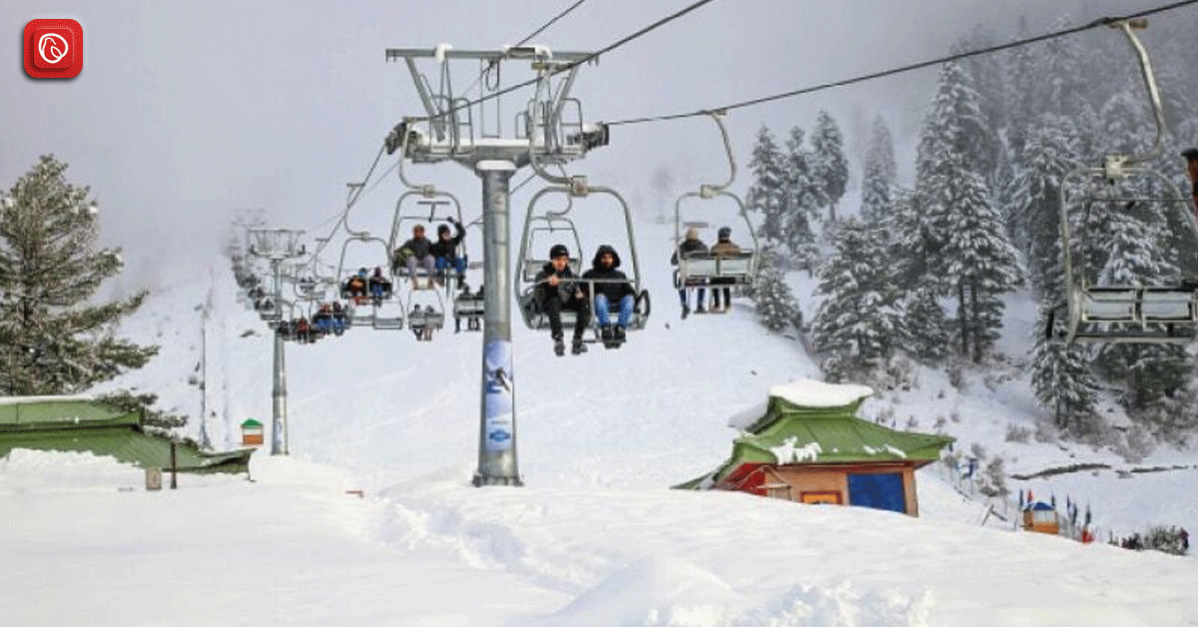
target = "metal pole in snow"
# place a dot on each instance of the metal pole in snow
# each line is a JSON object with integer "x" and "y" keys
{"x": 497, "y": 423}
{"x": 278, "y": 436}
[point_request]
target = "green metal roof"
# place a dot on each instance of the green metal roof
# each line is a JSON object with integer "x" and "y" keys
{"x": 48, "y": 412}
{"x": 250, "y": 422}
{"x": 84, "y": 425}
{"x": 792, "y": 434}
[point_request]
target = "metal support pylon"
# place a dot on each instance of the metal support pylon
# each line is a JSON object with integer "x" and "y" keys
{"x": 447, "y": 132}
{"x": 277, "y": 246}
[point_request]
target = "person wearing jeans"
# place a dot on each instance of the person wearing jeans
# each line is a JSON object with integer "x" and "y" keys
{"x": 611, "y": 286}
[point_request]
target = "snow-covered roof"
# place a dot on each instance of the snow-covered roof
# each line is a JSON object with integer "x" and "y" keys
{"x": 16, "y": 400}
{"x": 812, "y": 393}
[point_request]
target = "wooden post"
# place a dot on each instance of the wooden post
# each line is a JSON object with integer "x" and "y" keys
{"x": 174, "y": 468}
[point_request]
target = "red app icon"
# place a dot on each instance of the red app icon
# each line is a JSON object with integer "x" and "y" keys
{"x": 53, "y": 48}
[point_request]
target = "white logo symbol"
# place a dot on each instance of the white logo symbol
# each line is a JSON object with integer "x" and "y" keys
{"x": 52, "y": 47}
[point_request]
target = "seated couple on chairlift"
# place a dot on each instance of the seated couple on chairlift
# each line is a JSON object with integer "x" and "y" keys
{"x": 558, "y": 288}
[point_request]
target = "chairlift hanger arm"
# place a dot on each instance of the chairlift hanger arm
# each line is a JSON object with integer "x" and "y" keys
{"x": 1154, "y": 97}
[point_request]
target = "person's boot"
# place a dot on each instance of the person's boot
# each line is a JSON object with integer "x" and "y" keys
{"x": 577, "y": 347}
{"x": 559, "y": 347}
{"x": 686, "y": 310}
{"x": 619, "y": 337}
{"x": 606, "y": 335}
{"x": 700, "y": 309}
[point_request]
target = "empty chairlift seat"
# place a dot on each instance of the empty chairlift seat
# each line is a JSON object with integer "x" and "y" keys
{"x": 1140, "y": 305}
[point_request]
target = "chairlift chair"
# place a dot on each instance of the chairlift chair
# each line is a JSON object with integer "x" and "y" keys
{"x": 428, "y": 316}
{"x": 1163, "y": 310}
{"x": 698, "y": 269}
{"x": 471, "y": 308}
{"x": 439, "y": 206}
{"x": 525, "y": 287}
{"x": 386, "y": 313}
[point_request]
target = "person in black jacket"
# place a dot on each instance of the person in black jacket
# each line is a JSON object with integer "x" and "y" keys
{"x": 690, "y": 246}
{"x": 612, "y": 288}
{"x": 558, "y": 289}
{"x": 445, "y": 250}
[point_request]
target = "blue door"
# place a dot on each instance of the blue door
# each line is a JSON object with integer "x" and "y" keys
{"x": 879, "y": 491}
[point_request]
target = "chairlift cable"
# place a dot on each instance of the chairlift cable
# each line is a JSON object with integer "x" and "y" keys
{"x": 906, "y": 68}
{"x": 573, "y": 64}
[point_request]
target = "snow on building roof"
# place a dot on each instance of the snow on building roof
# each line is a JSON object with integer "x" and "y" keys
{"x": 812, "y": 393}
{"x": 19, "y": 400}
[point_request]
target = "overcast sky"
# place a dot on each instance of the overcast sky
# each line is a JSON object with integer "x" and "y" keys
{"x": 185, "y": 111}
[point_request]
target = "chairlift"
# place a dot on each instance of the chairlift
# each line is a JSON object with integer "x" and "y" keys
{"x": 382, "y": 312}
{"x": 471, "y": 308}
{"x": 429, "y": 207}
{"x": 701, "y": 269}
{"x": 1162, "y": 313}
{"x": 550, "y": 222}
{"x": 427, "y": 313}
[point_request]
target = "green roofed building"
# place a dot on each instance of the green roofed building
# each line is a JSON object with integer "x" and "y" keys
{"x": 80, "y": 423}
{"x": 806, "y": 444}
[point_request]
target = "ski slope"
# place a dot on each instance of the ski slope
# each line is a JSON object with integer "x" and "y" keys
{"x": 595, "y": 537}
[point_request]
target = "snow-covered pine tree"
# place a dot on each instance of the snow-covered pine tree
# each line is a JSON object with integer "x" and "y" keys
{"x": 777, "y": 307}
{"x": 1059, "y": 83}
{"x": 767, "y": 194}
{"x": 982, "y": 263}
{"x": 970, "y": 254}
{"x": 1049, "y": 154}
{"x": 1061, "y": 377}
{"x": 878, "y": 179}
{"x": 925, "y": 327}
{"x": 53, "y": 338}
{"x": 804, "y": 196}
{"x": 829, "y": 167}
{"x": 859, "y": 323}
{"x": 1021, "y": 90}
{"x": 909, "y": 249}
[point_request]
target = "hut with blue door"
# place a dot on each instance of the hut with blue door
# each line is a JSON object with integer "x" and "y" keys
{"x": 806, "y": 444}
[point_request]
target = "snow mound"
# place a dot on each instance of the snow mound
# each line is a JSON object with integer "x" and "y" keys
{"x": 843, "y": 606}
{"x": 658, "y": 591}
{"x": 812, "y": 393}
{"x": 26, "y": 470}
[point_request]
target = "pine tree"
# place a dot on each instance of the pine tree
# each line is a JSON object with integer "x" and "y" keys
{"x": 1035, "y": 192}
{"x": 926, "y": 334}
{"x": 859, "y": 322}
{"x": 776, "y": 305}
{"x": 969, "y": 253}
{"x": 53, "y": 338}
{"x": 878, "y": 179}
{"x": 829, "y": 167}
{"x": 910, "y": 248}
{"x": 1062, "y": 378}
{"x": 804, "y": 196}
{"x": 767, "y": 194}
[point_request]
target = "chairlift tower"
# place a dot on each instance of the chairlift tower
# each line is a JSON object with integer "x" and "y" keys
{"x": 277, "y": 246}
{"x": 547, "y": 130}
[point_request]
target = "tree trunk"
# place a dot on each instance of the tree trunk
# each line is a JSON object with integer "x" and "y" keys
{"x": 977, "y": 331}
{"x": 962, "y": 318}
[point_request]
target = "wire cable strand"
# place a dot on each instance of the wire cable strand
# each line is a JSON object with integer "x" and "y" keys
{"x": 905, "y": 68}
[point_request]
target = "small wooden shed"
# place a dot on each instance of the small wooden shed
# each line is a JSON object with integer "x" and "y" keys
{"x": 807, "y": 445}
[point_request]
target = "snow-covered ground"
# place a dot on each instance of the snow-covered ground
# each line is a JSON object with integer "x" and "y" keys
{"x": 595, "y": 537}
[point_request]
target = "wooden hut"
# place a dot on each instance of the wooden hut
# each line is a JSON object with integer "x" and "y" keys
{"x": 807, "y": 445}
